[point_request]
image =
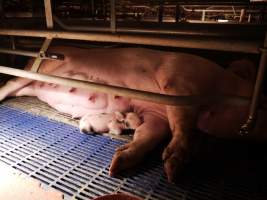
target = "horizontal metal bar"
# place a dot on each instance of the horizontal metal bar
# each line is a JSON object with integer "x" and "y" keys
{"x": 19, "y": 52}
{"x": 132, "y": 93}
{"x": 181, "y": 30}
{"x": 209, "y": 43}
{"x": 43, "y": 55}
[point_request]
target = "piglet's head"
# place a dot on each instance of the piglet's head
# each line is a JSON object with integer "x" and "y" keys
{"x": 124, "y": 122}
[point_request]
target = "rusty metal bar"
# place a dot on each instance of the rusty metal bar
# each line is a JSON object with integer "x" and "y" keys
{"x": 132, "y": 93}
{"x": 48, "y": 14}
{"x": 38, "y": 60}
{"x": 248, "y": 126}
{"x": 210, "y": 43}
{"x": 113, "y": 16}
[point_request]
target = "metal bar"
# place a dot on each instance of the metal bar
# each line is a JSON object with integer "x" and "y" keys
{"x": 242, "y": 15}
{"x": 132, "y": 93}
{"x": 203, "y": 15}
{"x": 135, "y": 30}
{"x": 48, "y": 14}
{"x": 185, "y": 32}
{"x": 93, "y": 9}
{"x": 160, "y": 11}
{"x": 38, "y": 60}
{"x": 113, "y": 16}
{"x": 258, "y": 84}
{"x": 210, "y": 43}
{"x": 44, "y": 55}
{"x": 19, "y": 52}
{"x": 248, "y": 126}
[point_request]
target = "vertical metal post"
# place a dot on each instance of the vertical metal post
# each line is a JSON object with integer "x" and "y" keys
{"x": 113, "y": 16}
{"x": 203, "y": 15}
{"x": 161, "y": 9}
{"x": 257, "y": 90}
{"x": 177, "y": 13}
{"x": 249, "y": 17}
{"x": 93, "y": 9}
{"x": 13, "y": 47}
{"x": 48, "y": 14}
{"x": 49, "y": 23}
{"x": 242, "y": 15}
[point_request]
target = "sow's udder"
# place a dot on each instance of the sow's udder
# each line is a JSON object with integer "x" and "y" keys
{"x": 79, "y": 102}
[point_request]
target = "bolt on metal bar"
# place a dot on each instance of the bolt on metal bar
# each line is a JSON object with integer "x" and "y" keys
{"x": 210, "y": 43}
{"x": 38, "y": 60}
{"x": 132, "y": 93}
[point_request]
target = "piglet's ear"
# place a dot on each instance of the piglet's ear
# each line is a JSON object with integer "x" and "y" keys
{"x": 243, "y": 68}
{"x": 119, "y": 116}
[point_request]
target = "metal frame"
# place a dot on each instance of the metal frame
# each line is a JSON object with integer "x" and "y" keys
{"x": 207, "y": 43}
{"x": 49, "y": 23}
{"x": 250, "y": 123}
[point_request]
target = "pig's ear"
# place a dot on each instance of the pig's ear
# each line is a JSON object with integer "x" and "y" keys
{"x": 243, "y": 68}
{"x": 119, "y": 116}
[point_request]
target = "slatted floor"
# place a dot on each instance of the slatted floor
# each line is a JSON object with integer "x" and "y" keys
{"x": 61, "y": 157}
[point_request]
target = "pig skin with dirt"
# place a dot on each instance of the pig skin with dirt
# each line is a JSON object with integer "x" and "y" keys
{"x": 150, "y": 70}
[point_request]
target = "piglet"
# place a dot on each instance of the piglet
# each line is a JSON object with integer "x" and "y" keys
{"x": 113, "y": 123}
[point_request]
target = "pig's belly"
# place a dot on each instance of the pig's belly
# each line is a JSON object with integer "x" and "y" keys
{"x": 77, "y": 111}
{"x": 78, "y": 102}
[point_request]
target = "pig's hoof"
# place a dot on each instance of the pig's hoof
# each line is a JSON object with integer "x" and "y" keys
{"x": 175, "y": 158}
{"x": 125, "y": 157}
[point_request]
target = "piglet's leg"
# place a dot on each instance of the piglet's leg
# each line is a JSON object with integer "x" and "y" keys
{"x": 182, "y": 122}
{"x": 12, "y": 86}
{"x": 146, "y": 137}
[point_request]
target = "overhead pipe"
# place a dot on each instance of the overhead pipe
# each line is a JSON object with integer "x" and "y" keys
{"x": 132, "y": 93}
{"x": 209, "y": 43}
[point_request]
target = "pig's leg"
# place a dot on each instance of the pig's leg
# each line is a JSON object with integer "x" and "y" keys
{"x": 182, "y": 122}
{"x": 13, "y": 86}
{"x": 146, "y": 137}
